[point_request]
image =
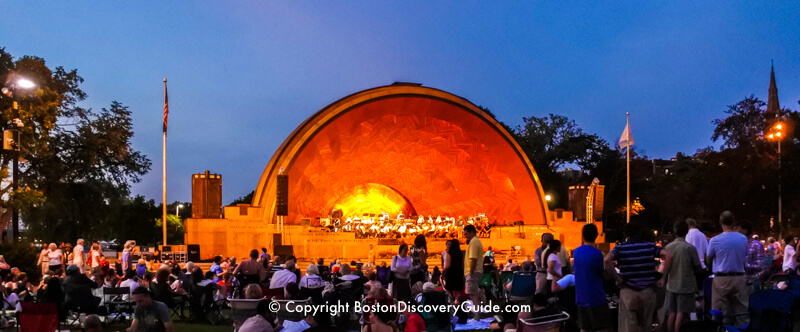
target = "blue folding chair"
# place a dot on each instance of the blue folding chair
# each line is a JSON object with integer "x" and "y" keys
{"x": 771, "y": 310}
{"x": 523, "y": 286}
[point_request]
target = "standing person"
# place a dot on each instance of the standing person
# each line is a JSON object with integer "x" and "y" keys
{"x": 771, "y": 252}
{"x": 78, "y": 256}
{"x": 96, "y": 253}
{"x": 754, "y": 261}
{"x": 727, "y": 252}
{"x": 696, "y": 238}
{"x": 125, "y": 258}
{"x": 636, "y": 260}
{"x": 553, "y": 263}
{"x": 593, "y": 312}
{"x": 682, "y": 281}
{"x": 149, "y": 315}
{"x": 473, "y": 266}
{"x": 541, "y": 268}
{"x": 44, "y": 261}
{"x": 54, "y": 256}
{"x": 453, "y": 275}
{"x": 401, "y": 268}
{"x": 789, "y": 259}
{"x": 419, "y": 257}
{"x": 264, "y": 257}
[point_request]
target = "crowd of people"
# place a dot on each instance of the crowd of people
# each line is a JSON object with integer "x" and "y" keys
{"x": 586, "y": 284}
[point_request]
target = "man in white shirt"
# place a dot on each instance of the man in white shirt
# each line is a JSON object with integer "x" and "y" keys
{"x": 789, "y": 257}
{"x": 696, "y": 238}
{"x": 78, "y": 259}
{"x": 283, "y": 277}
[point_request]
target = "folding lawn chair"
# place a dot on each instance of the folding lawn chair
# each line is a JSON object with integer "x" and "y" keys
{"x": 116, "y": 304}
{"x": 242, "y": 309}
{"x": 38, "y": 317}
{"x": 523, "y": 286}
{"x": 551, "y": 323}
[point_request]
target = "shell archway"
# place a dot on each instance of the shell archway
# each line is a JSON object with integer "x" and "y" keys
{"x": 439, "y": 152}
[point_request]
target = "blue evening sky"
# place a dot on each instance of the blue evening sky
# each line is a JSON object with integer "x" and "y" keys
{"x": 243, "y": 74}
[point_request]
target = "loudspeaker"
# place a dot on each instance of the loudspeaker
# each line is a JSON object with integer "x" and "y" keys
{"x": 193, "y": 252}
{"x": 276, "y": 240}
{"x": 282, "y": 196}
{"x": 166, "y": 248}
{"x": 284, "y": 251}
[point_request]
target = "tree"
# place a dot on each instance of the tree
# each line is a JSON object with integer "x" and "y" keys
{"x": 247, "y": 199}
{"x": 554, "y": 141}
{"x": 76, "y": 164}
{"x": 174, "y": 229}
{"x": 744, "y": 125}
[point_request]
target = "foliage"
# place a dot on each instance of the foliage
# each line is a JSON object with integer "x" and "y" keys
{"x": 174, "y": 229}
{"x": 23, "y": 256}
{"x": 247, "y": 199}
{"x": 76, "y": 164}
{"x": 744, "y": 124}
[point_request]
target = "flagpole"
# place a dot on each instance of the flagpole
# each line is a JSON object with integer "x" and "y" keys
{"x": 628, "y": 148}
{"x": 164, "y": 176}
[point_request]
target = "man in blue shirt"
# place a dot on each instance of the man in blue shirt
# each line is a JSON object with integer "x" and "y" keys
{"x": 216, "y": 268}
{"x": 593, "y": 312}
{"x": 636, "y": 260}
{"x": 726, "y": 256}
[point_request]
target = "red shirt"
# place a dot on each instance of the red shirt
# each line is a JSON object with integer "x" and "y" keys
{"x": 415, "y": 323}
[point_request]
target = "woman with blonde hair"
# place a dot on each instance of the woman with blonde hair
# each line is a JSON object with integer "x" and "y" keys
{"x": 96, "y": 253}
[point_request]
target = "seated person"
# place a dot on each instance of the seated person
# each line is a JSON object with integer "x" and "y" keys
{"x": 251, "y": 269}
{"x": 508, "y": 320}
{"x": 347, "y": 274}
{"x": 526, "y": 266}
{"x": 260, "y": 322}
{"x": 92, "y": 324}
{"x": 414, "y": 321}
{"x": 149, "y": 315}
{"x": 312, "y": 278}
{"x": 283, "y": 277}
{"x": 372, "y": 282}
{"x": 78, "y": 292}
{"x": 161, "y": 290}
{"x": 292, "y": 292}
{"x": 253, "y": 291}
{"x": 131, "y": 281}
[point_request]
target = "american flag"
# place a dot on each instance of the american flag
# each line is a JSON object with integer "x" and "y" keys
{"x": 166, "y": 106}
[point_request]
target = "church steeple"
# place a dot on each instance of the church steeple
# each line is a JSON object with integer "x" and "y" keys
{"x": 773, "y": 107}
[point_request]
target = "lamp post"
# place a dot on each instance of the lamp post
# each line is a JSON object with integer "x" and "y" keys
{"x": 178, "y": 210}
{"x": 10, "y": 90}
{"x": 777, "y": 133}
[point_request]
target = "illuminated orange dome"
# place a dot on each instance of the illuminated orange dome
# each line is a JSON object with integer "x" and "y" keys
{"x": 407, "y": 148}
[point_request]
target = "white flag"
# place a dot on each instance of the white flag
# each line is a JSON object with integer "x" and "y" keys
{"x": 627, "y": 139}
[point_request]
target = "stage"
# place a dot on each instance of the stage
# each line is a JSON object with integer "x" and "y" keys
{"x": 401, "y": 149}
{"x": 237, "y": 237}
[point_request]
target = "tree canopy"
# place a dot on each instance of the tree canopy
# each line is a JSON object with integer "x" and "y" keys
{"x": 76, "y": 164}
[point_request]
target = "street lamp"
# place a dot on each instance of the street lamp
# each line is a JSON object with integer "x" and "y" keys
{"x": 776, "y": 134}
{"x": 178, "y": 210}
{"x": 13, "y": 134}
